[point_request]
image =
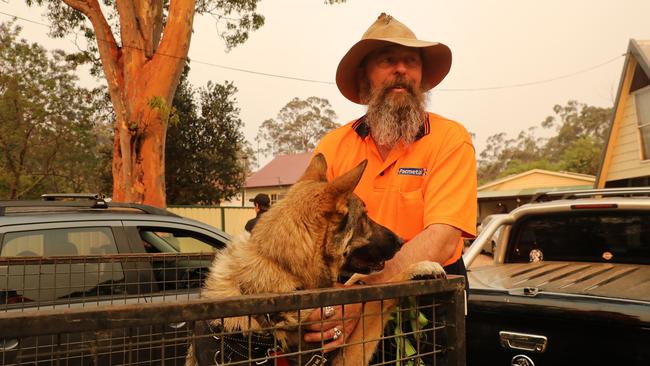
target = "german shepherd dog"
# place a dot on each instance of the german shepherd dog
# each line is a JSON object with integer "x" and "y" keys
{"x": 303, "y": 242}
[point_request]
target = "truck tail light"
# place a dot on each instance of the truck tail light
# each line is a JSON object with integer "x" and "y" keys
{"x": 594, "y": 206}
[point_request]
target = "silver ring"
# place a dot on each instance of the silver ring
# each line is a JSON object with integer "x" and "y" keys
{"x": 328, "y": 311}
{"x": 337, "y": 333}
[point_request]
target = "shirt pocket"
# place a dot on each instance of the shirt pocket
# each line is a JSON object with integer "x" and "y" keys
{"x": 410, "y": 212}
{"x": 409, "y": 184}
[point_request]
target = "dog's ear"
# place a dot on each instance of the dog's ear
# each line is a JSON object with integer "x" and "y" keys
{"x": 347, "y": 182}
{"x": 316, "y": 171}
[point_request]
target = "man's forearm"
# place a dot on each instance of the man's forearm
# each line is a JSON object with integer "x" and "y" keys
{"x": 436, "y": 243}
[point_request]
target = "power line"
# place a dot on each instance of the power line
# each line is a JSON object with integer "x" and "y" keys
{"x": 507, "y": 86}
{"x": 519, "y": 85}
{"x": 188, "y": 59}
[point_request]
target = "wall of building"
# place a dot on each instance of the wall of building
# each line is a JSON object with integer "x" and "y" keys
{"x": 539, "y": 180}
{"x": 626, "y": 157}
{"x": 278, "y": 191}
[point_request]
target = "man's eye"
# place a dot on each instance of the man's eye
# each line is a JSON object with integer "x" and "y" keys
{"x": 386, "y": 61}
{"x": 412, "y": 61}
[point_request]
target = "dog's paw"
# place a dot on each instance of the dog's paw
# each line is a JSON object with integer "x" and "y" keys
{"x": 356, "y": 279}
{"x": 426, "y": 270}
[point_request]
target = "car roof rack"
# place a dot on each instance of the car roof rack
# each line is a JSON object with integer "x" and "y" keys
{"x": 81, "y": 200}
{"x": 603, "y": 192}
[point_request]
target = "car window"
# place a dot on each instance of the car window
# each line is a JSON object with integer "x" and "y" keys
{"x": 163, "y": 240}
{"x": 180, "y": 272}
{"x": 67, "y": 241}
{"x": 617, "y": 237}
{"x": 50, "y": 281}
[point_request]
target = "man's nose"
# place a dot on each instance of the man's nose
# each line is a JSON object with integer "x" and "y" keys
{"x": 400, "y": 67}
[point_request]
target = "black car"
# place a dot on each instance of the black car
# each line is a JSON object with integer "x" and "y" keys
{"x": 83, "y": 251}
{"x": 570, "y": 283}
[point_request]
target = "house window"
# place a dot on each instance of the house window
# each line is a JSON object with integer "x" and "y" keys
{"x": 275, "y": 197}
{"x": 642, "y": 101}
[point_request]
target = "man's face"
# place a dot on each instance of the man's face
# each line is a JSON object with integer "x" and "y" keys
{"x": 391, "y": 88}
{"x": 397, "y": 67}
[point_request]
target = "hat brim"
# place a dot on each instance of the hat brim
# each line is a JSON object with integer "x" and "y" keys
{"x": 436, "y": 62}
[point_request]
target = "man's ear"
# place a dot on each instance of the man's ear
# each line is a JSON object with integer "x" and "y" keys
{"x": 316, "y": 171}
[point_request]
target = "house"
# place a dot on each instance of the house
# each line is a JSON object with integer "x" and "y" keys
{"x": 276, "y": 177}
{"x": 626, "y": 158}
{"x": 507, "y": 193}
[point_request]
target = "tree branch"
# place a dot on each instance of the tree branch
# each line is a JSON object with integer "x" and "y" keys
{"x": 148, "y": 14}
{"x": 112, "y": 63}
{"x": 171, "y": 55}
{"x": 105, "y": 39}
{"x": 130, "y": 33}
{"x": 109, "y": 52}
{"x": 31, "y": 186}
{"x": 176, "y": 36}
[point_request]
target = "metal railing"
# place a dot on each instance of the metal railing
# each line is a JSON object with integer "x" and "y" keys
{"x": 155, "y": 327}
{"x": 34, "y": 283}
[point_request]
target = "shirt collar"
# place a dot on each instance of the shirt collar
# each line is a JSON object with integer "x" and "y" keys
{"x": 363, "y": 130}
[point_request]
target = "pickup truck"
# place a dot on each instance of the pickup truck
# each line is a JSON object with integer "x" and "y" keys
{"x": 570, "y": 282}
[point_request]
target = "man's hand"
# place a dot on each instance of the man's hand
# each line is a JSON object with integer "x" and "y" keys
{"x": 332, "y": 328}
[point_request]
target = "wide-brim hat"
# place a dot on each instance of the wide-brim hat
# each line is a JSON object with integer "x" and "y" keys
{"x": 385, "y": 31}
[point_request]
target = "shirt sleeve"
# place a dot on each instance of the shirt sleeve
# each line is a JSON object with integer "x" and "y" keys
{"x": 450, "y": 186}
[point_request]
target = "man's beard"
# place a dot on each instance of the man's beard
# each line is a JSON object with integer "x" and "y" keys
{"x": 394, "y": 116}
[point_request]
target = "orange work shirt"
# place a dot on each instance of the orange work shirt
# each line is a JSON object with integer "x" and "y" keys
{"x": 432, "y": 181}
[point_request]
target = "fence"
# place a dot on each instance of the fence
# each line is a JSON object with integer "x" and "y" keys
{"x": 229, "y": 219}
{"x": 151, "y": 318}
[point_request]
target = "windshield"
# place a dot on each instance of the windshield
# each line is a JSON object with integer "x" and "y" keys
{"x": 612, "y": 236}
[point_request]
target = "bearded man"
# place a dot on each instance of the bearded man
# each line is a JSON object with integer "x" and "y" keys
{"x": 420, "y": 180}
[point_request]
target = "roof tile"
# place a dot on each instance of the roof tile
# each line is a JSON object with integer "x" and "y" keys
{"x": 281, "y": 171}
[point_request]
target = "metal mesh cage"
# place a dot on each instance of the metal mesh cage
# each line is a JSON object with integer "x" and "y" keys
{"x": 153, "y": 319}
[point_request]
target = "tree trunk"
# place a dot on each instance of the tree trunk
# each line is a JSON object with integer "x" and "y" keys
{"x": 145, "y": 66}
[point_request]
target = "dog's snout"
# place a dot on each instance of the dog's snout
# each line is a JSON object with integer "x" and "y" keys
{"x": 386, "y": 239}
{"x": 398, "y": 240}
{"x": 389, "y": 233}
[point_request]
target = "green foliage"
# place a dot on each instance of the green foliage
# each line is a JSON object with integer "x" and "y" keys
{"x": 167, "y": 113}
{"x": 49, "y": 138}
{"x": 576, "y": 147}
{"x": 235, "y": 19}
{"x": 205, "y": 150}
{"x": 299, "y": 126}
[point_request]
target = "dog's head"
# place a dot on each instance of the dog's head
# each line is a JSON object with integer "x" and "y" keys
{"x": 351, "y": 240}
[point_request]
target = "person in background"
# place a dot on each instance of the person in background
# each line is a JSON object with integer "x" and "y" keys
{"x": 262, "y": 203}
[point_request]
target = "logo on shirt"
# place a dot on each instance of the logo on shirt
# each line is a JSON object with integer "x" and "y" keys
{"x": 419, "y": 172}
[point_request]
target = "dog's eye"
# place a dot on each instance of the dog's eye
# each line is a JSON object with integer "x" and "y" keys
{"x": 343, "y": 223}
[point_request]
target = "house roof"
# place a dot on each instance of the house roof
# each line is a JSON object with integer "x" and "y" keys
{"x": 283, "y": 170}
{"x": 529, "y": 191}
{"x": 637, "y": 51}
{"x": 641, "y": 50}
{"x": 587, "y": 179}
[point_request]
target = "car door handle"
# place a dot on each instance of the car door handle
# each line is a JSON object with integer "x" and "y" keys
{"x": 177, "y": 325}
{"x": 523, "y": 341}
{"x": 8, "y": 344}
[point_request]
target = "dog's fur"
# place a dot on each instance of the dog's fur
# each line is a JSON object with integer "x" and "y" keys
{"x": 304, "y": 242}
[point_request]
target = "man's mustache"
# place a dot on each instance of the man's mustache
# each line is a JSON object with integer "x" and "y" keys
{"x": 399, "y": 82}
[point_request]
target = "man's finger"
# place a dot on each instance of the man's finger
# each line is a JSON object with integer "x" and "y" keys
{"x": 322, "y": 325}
{"x": 346, "y": 331}
{"x": 334, "y": 333}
